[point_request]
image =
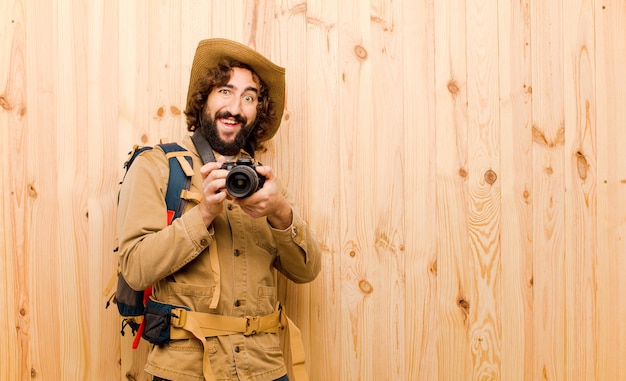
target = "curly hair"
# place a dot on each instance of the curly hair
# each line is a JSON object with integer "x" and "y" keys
{"x": 219, "y": 76}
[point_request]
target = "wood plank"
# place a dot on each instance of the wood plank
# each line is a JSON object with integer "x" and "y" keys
{"x": 133, "y": 128}
{"x": 164, "y": 71}
{"x": 580, "y": 178}
{"x": 516, "y": 186}
{"x": 321, "y": 179}
{"x": 610, "y": 69}
{"x": 194, "y": 28}
{"x": 292, "y": 166}
{"x": 548, "y": 190}
{"x": 42, "y": 240}
{"x": 386, "y": 263}
{"x": 484, "y": 209}
{"x": 14, "y": 287}
{"x": 357, "y": 194}
{"x": 131, "y": 78}
{"x": 454, "y": 283}
{"x": 70, "y": 109}
{"x": 226, "y": 19}
{"x": 416, "y": 24}
{"x": 103, "y": 341}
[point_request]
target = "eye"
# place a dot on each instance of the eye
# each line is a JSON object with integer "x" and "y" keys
{"x": 224, "y": 91}
{"x": 249, "y": 98}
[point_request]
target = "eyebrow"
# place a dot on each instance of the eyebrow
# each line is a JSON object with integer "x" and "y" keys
{"x": 249, "y": 88}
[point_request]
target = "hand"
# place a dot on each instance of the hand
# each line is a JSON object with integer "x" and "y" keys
{"x": 268, "y": 201}
{"x": 213, "y": 190}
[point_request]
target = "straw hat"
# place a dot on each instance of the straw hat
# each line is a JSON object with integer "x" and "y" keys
{"x": 210, "y": 52}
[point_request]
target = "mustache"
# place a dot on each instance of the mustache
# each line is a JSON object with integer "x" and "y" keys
{"x": 226, "y": 114}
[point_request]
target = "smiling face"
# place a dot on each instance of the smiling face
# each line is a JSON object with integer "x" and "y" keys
{"x": 230, "y": 112}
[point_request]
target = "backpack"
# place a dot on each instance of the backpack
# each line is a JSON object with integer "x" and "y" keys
{"x": 131, "y": 304}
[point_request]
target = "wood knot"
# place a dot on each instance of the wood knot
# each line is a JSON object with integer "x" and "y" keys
{"x": 433, "y": 268}
{"x": 175, "y": 110}
{"x": 4, "y": 103}
{"x": 490, "y": 177}
{"x": 582, "y": 165}
{"x": 453, "y": 88}
{"x": 462, "y": 172}
{"x": 365, "y": 286}
{"x": 360, "y": 52}
{"x": 548, "y": 171}
{"x": 160, "y": 112}
{"x": 32, "y": 191}
{"x": 464, "y": 305}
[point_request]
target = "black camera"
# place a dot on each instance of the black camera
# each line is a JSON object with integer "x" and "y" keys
{"x": 242, "y": 179}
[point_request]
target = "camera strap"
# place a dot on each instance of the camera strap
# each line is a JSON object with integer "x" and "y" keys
{"x": 203, "y": 147}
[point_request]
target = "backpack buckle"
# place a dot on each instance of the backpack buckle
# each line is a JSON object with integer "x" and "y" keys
{"x": 178, "y": 317}
{"x": 253, "y": 324}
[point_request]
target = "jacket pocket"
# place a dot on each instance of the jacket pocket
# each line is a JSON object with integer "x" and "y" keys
{"x": 196, "y": 297}
{"x": 266, "y": 300}
{"x": 263, "y": 236}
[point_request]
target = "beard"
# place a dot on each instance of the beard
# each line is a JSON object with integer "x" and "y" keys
{"x": 208, "y": 127}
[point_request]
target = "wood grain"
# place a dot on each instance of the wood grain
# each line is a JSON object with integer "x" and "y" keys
{"x": 611, "y": 188}
{"x": 461, "y": 163}
{"x": 581, "y": 197}
{"x": 454, "y": 266}
{"x": 420, "y": 254}
{"x": 516, "y": 177}
{"x": 548, "y": 131}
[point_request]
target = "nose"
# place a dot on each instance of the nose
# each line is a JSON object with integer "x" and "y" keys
{"x": 234, "y": 105}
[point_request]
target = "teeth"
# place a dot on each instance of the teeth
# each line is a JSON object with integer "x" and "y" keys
{"x": 227, "y": 121}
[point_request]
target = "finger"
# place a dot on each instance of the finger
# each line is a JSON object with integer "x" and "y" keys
{"x": 213, "y": 186}
{"x": 206, "y": 169}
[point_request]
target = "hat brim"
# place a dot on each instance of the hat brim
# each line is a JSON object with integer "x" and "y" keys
{"x": 210, "y": 52}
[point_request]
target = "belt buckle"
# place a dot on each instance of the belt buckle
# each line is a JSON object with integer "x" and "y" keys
{"x": 178, "y": 317}
{"x": 253, "y": 324}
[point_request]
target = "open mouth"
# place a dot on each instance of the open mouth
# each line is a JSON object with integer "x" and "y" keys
{"x": 229, "y": 122}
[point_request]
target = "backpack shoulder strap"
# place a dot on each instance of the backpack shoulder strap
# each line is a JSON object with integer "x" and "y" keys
{"x": 181, "y": 171}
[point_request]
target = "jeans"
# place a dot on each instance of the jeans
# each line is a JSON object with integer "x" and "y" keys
{"x": 283, "y": 378}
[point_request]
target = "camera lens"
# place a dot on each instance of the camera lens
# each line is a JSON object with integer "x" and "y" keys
{"x": 242, "y": 181}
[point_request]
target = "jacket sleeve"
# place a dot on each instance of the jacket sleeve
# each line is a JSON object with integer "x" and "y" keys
{"x": 149, "y": 249}
{"x": 299, "y": 254}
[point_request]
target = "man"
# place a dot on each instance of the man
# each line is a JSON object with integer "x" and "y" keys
{"x": 212, "y": 269}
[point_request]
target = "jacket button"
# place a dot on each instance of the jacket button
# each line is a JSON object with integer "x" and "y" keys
{"x": 236, "y": 252}
{"x": 237, "y": 349}
{"x": 230, "y": 206}
{"x": 237, "y": 303}
{"x": 203, "y": 242}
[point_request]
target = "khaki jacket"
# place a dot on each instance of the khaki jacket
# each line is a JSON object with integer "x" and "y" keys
{"x": 175, "y": 260}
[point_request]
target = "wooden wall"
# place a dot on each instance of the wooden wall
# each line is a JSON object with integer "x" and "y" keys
{"x": 463, "y": 163}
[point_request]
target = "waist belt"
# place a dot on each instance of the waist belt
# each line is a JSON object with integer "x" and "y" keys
{"x": 208, "y": 325}
{"x": 186, "y": 324}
